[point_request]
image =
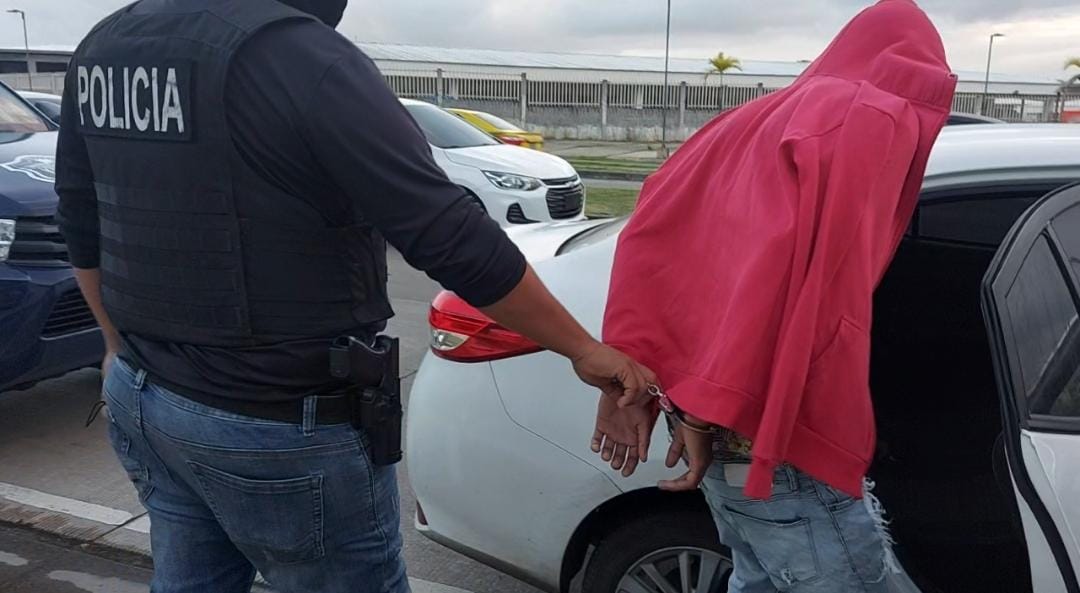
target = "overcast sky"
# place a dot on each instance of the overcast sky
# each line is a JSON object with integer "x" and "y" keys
{"x": 1041, "y": 34}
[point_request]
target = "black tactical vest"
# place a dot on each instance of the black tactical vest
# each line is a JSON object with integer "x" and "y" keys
{"x": 197, "y": 248}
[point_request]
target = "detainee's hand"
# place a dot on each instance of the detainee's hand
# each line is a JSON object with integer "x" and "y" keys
{"x": 622, "y": 435}
{"x": 615, "y": 374}
{"x": 698, "y": 450}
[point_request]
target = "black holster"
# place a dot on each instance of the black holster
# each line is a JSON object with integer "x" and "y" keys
{"x": 375, "y": 398}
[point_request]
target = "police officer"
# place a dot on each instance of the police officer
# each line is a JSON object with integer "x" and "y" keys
{"x": 228, "y": 171}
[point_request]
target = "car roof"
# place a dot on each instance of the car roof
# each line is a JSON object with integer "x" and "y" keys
{"x": 415, "y": 102}
{"x": 1049, "y": 150}
{"x": 37, "y": 95}
{"x": 971, "y": 117}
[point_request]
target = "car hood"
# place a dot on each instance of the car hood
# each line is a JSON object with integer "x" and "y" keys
{"x": 542, "y": 240}
{"x": 27, "y": 173}
{"x": 504, "y": 158}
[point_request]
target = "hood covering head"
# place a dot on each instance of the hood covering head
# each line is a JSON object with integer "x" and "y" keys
{"x": 892, "y": 37}
{"x": 327, "y": 11}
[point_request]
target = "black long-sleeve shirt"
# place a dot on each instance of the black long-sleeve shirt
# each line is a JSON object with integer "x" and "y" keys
{"x": 312, "y": 115}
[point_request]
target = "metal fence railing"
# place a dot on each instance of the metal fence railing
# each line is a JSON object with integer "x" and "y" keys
{"x": 518, "y": 93}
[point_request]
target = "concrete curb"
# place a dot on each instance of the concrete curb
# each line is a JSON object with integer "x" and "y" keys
{"x": 109, "y": 541}
{"x": 126, "y": 543}
{"x": 586, "y": 175}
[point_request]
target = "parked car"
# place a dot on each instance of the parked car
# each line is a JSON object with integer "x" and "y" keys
{"x": 514, "y": 185}
{"x": 46, "y": 326}
{"x": 48, "y": 105}
{"x": 960, "y": 119}
{"x": 505, "y": 131}
{"x": 498, "y": 431}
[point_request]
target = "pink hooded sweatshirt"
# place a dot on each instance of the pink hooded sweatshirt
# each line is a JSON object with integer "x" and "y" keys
{"x": 745, "y": 276}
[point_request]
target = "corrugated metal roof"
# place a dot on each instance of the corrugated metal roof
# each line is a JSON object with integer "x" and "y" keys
{"x": 42, "y": 49}
{"x": 607, "y": 62}
{"x": 389, "y": 52}
{"x": 565, "y": 61}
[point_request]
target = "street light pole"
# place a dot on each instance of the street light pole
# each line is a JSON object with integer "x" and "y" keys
{"x": 663, "y": 111}
{"x": 989, "y": 58}
{"x": 26, "y": 44}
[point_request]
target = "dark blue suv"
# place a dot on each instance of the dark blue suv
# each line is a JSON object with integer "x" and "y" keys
{"x": 46, "y": 329}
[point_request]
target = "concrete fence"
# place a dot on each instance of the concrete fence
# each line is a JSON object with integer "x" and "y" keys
{"x": 603, "y": 110}
{"x": 51, "y": 82}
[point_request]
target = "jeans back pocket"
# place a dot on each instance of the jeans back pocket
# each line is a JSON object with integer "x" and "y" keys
{"x": 277, "y": 520}
{"x": 785, "y": 549}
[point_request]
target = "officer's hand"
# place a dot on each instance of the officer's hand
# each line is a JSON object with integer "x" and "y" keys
{"x": 107, "y": 362}
{"x": 616, "y": 374}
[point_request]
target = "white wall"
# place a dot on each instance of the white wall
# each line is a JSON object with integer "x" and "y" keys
{"x": 43, "y": 83}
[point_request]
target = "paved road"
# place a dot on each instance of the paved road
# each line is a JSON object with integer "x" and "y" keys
{"x": 31, "y": 562}
{"x": 49, "y": 461}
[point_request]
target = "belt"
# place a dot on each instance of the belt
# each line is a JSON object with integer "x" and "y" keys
{"x": 329, "y": 409}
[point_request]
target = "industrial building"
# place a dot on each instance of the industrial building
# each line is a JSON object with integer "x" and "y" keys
{"x": 600, "y": 96}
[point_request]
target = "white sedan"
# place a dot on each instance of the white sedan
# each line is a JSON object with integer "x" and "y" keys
{"x": 980, "y": 500}
{"x": 514, "y": 185}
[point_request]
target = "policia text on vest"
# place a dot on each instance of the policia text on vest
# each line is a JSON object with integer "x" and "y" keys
{"x": 148, "y": 101}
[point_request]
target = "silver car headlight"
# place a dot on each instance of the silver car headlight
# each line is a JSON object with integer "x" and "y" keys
{"x": 513, "y": 182}
{"x": 7, "y": 237}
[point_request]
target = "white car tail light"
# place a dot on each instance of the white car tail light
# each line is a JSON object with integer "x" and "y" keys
{"x": 461, "y": 333}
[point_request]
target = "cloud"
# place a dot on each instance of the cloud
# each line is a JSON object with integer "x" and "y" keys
{"x": 1041, "y": 32}
{"x": 768, "y": 29}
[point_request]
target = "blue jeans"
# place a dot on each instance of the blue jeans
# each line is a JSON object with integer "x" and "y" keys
{"x": 808, "y": 538}
{"x": 228, "y": 495}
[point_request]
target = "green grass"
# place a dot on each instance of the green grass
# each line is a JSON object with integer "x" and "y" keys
{"x": 608, "y": 201}
{"x": 625, "y": 166}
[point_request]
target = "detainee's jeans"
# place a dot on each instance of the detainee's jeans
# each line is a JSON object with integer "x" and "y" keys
{"x": 230, "y": 495}
{"x": 807, "y": 538}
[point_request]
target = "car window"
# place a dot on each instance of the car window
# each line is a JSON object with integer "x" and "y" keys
{"x": 17, "y": 117}
{"x": 50, "y": 109}
{"x": 1067, "y": 404}
{"x": 1067, "y": 228}
{"x": 1043, "y": 315}
{"x": 498, "y": 122}
{"x": 445, "y": 130}
{"x": 980, "y": 220}
{"x": 1065, "y": 401}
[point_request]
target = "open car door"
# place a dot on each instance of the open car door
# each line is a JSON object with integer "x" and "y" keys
{"x": 1031, "y": 303}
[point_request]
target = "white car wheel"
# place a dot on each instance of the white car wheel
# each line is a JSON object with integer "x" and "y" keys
{"x": 670, "y": 552}
{"x": 677, "y": 569}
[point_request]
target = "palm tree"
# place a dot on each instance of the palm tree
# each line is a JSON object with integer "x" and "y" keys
{"x": 1068, "y": 83}
{"x": 719, "y": 64}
